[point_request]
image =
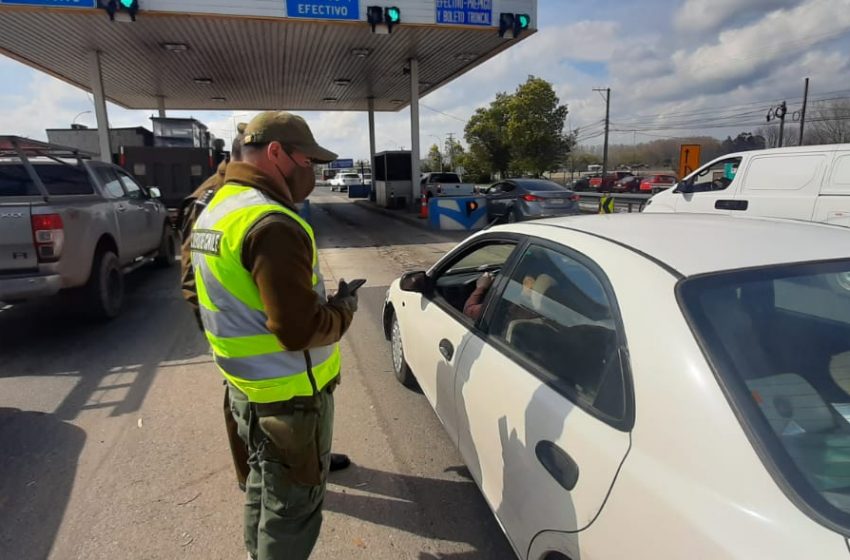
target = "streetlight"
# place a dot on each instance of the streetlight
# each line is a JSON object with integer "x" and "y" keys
{"x": 80, "y": 114}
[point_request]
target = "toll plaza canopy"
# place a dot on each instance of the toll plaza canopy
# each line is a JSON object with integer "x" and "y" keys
{"x": 258, "y": 54}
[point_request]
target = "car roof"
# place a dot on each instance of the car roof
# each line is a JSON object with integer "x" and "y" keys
{"x": 691, "y": 244}
{"x": 531, "y": 183}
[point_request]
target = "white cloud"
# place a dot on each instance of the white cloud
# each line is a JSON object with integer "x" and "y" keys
{"x": 708, "y": 15}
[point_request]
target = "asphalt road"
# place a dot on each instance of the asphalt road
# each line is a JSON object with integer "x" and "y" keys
{"x": 113, "y": 445}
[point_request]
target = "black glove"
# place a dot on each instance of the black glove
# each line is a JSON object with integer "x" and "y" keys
{"x": 345, "y": 297}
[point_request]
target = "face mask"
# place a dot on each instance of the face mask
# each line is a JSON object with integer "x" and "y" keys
{"x": 301, "y": 182}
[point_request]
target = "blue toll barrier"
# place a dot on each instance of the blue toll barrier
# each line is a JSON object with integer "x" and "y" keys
{"x": 359, "y": 191}
{"x": 304, "y": 211}
{"x": 457, "y": 212}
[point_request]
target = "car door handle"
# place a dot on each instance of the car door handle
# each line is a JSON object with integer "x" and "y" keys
{"x": 447, "y": 349}
{"x": 557, "y": 463}
{"x": 732, "y": 205}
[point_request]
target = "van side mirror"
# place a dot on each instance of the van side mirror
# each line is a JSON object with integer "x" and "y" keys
{"x": 684, "y": 187}
{"x": 416, "y": 282}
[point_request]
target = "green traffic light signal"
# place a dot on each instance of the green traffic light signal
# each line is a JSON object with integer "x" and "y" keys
{"x": 393, "y": 15}
{"x": 524, "y": 21}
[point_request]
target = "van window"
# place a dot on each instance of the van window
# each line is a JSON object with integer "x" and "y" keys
{"x": 717, "y": 176}
{"x": 841, "y": 173}
{"x": 786, "y": 173}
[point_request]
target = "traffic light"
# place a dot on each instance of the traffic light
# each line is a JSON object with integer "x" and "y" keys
{"x": 131, "y": 7}
{"x": 392, "y": 16}
{"x": 378, "y": 17}
{"x": 513, "y": 24}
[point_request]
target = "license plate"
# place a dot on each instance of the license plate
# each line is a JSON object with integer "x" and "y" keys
{"x": 555, "y": 201}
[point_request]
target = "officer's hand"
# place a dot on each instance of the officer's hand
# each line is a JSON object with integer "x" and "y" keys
{"x": 345, "y": 298}
{"x": 484, "y": 281}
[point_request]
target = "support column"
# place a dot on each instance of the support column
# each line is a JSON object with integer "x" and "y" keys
{"x": 160, "y": 105}
{"x": 372, "y": 140}
{"x": 414, "y": 131}
{"x": 96, "y": 79}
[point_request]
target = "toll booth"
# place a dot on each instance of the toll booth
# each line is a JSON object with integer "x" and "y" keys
{"x": 392, "y": 177}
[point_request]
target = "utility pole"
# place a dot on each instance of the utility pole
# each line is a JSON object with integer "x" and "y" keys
{"x": 803, "y": 112}
{"x": 607, "y": 124}
{"x": 779, "y": 112}
{"x": 450, "y": 144}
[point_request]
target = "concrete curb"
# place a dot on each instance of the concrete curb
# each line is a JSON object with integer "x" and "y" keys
{"x": 400, "y": 215}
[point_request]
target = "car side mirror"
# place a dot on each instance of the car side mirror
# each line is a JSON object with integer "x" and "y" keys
{"x": 154, "y": 192}
{"x": 416, "y": 282}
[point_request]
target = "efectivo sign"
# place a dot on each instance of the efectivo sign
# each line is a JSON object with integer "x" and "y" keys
{"x": 465, "y": 12}
{"x": 52, "y": 3}
{"x": 323, "y": 9}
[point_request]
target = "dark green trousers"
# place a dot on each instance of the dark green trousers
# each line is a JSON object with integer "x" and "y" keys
{"x": 282, "y": 517}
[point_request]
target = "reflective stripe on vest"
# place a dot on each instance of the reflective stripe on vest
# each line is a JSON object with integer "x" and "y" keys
{"x": 245, "y": 351}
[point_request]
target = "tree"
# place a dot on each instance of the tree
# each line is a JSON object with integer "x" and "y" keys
{"x": 828, "y": 123}
{"x": 535, "y": 127}
{"x": 486, "y": 135}
{"x": 435, "y": 158}
{"x": 744, "y": 142}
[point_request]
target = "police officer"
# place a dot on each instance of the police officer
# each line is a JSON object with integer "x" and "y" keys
{"x": 273, "y": 332}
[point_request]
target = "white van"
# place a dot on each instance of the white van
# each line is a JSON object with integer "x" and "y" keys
{"x": 805, "y": 183}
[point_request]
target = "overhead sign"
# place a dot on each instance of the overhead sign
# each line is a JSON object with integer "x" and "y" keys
{"x": 689, "y": 155}
{"x": 465, "y": 12}
{"x": 323, "y": 9}
{"x": 52, "y": 3}
{"x": 341, "y": 164}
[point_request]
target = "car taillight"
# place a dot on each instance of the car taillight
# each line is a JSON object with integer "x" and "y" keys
{"x": 530, "y": 198}
{"x": 574, "y": 197}
{"x": 439, "y": 189}
{"x": 49, "y": 235}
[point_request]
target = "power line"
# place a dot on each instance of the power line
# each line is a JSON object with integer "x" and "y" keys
{"x": 442, "y": 112}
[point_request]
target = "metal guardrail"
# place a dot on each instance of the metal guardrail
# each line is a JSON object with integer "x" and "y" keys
{"x": 621, "y": 200}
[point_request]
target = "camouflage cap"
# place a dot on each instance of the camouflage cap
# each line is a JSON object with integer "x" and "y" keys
{"x": 288, "y": 129}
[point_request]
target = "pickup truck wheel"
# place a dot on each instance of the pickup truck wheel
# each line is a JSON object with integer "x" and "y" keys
{"x": 104, "y": 293}
{"x": 400, "y": 368}
{"x": 167, "y": 255}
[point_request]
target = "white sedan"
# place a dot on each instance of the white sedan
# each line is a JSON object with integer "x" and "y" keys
{"x": 644, "y": 386}
{"x": 342, "y": 181}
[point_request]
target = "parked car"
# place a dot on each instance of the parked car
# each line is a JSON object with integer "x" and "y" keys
{"x": 606, "y": 185}
{"x": 656, "y": 183}
{"x": 444, "y": 184}
{"x": 582, "y": 183}
{"x": 515, "y": 200}
{"x": 74, "y": 225}
{"x": 729, "y": 435}
{"x": 801, "y": 183}
{"x": 342, "y": 181}
{"x": 366, "y": 179}
{"x": 628, "y": 184}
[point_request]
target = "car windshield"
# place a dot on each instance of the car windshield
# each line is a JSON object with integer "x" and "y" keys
{"x": 351, "y": 176}
{"x": 779, "y": 339}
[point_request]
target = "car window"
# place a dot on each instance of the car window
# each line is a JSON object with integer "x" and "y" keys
{"x": 134, "y": 191}
{"x": 841, "y": 172}
{"x": 495, "y": 189}
{"x": 456, "y": 283}
{"x": 15, "y": 181}
{"x": 717, "y": 176}
{"x": 109, "y": 180}
{"x": 555, "y": 314}
{"x": 64, "y": 179}
{"x": 780, "y": 339}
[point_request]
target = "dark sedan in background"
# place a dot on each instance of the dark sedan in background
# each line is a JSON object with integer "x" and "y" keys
{"x": 514, "y": 200}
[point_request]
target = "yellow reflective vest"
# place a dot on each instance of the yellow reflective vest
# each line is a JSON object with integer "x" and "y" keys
{"x": 245, "y": 351}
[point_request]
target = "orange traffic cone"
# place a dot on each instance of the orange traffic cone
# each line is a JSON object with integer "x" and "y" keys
{"x": 423, "y": 206}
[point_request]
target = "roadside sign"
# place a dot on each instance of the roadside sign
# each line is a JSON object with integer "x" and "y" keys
{"x": 52, "y": 3}
{"x": 465, "y": 12}
{"x": 323, "y": 9}
{"x": 341, "y": 164}
{"x": 689, "y": 157}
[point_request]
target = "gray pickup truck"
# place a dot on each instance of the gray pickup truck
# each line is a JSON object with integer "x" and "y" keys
{"x": 74, "y": 225}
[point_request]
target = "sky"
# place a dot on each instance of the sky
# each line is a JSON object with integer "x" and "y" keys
{"x": 675, "y": 68}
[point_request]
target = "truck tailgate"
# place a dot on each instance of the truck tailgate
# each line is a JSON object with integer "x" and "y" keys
{"x": 17, "y": 247}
